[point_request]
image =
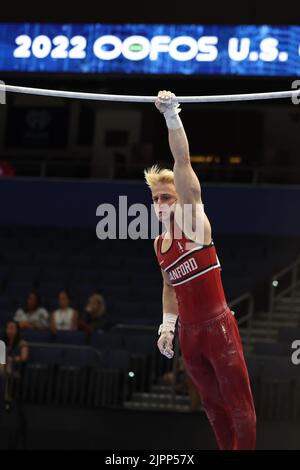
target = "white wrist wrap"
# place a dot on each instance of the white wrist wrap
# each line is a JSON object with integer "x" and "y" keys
{"x": 169, "y": 323}
{"x": 172, "y": 117}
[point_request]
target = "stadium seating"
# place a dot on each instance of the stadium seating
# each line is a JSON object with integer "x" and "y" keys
{"x": 127, "y": 274}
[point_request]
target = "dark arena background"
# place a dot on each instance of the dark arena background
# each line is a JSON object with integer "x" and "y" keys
{"x": 98, "y": 381}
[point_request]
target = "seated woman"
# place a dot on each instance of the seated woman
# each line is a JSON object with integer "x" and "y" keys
{"x": 96, "y": 317}
{"x": 32, "y": 314}
{"x": 17, "y": 353}
{"x": 65, "y": 317}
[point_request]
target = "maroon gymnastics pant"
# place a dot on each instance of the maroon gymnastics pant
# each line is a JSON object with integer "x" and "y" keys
{"x": 213, "y": 357}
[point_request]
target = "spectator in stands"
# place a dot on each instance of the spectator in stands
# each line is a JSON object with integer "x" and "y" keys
{"x": 32, "y": 315}
{"x": 65, "y": 317}
{"x": 96, "y": 317}
{"x": 16, "y": 347}
{"x": 17, "y": 353}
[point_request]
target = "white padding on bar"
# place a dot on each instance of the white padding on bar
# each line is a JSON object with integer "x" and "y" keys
{"x": 149, "y": 99}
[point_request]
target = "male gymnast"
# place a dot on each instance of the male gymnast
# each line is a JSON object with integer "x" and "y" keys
{"x": 193, "y": 293}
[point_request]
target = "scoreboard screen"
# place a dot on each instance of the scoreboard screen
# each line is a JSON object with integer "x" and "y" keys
{"x": 192, "y": 49}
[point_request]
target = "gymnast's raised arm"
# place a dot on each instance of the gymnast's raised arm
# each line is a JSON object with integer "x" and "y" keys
{"x": 186, "y": 182}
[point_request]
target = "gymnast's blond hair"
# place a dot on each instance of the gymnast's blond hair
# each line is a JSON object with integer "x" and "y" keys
{"x": 155, "y": 175}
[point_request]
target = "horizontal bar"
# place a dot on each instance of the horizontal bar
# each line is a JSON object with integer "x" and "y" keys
{"x": 149, "y": 99}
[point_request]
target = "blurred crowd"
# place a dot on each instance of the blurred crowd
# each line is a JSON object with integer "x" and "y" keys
{"x": 95, "y": 317}
{"x": 34, "y": 315}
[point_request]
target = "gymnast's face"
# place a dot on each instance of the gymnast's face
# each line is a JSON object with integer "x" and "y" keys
{"x": 164, "y": 197}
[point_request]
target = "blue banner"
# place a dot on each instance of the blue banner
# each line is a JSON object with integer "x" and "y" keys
{"x": 151, "y": 49}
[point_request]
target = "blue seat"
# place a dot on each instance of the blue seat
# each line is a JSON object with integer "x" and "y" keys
{"x": 85, "y": 276}
{"x": 116, "y": 359}
{"x": 5, "y": 316}
{"x": 71, "y": 337}
{"x": 105, "y": 262}
{"x": 45, "y": 355}
{"x": 19, "y": 289}
{"x": 51, "y": 286}
{"x": 7, "y": 304}
{"x": 147, "y": 279}
{"x": 106, "y": 341}
{"x": 24, "y": 273}
{"x": 140, "y": 264}
{"x": 137, "y": 320}
{"x": 123, "y": 293}
{"x": 37, "y": 336}
{"x": 79, "y": 357}
{"x": 81, "y": 291}
{"x": 143, "y": 343}
{"x": 57, "y": 274}
{"x": 144, "y": 293}
{"x": 127, "y": 309}
{"x": 116, "y": 277}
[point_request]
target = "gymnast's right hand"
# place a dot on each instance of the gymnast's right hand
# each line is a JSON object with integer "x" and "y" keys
{"x": 165, "y": 344}
{"x": 167, "y": 103}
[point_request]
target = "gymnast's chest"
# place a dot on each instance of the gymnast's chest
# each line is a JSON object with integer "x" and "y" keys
{"x": 171, "y": 252}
